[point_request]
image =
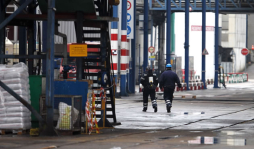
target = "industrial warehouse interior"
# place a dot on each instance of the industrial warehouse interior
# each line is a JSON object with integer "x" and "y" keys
{"x": 126, "y": 74}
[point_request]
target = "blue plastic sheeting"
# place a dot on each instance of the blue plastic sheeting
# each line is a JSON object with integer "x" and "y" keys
{"x": 72, "y": 88}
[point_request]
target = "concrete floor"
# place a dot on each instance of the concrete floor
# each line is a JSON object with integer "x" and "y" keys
{"x": 216, "y": 119}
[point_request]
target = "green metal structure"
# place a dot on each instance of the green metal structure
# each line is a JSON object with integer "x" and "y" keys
{"x": 35, "y": 83}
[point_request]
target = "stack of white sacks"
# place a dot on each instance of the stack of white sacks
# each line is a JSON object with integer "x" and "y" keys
{"x": 13, "y": 115}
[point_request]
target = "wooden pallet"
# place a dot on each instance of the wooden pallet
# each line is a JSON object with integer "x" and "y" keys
{"x": 14, "y": 132}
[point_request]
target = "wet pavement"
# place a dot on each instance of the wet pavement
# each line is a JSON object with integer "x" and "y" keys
{"x": 216, "y": 119}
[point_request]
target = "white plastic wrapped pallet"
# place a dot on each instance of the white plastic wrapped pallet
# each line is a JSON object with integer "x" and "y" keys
{"x": 13, "y": 115}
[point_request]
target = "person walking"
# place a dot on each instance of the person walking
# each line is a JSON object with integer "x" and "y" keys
{"x": 168, "y": 80}
{"x": 149, "y": 82}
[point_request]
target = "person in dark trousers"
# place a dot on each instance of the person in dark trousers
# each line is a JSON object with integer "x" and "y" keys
{"x": 167, "y": 81}
{"x": 149, "y": 82}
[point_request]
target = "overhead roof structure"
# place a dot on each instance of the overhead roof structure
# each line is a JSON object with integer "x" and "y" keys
{"x": 226, "y": 6}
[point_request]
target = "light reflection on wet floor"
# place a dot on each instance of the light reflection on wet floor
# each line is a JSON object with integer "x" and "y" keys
{"x": 228, "y": 138}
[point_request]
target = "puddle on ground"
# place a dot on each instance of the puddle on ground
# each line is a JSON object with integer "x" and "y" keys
{"x": 152, "y": 132}
{"x": 232, "y": 133}
{"x": 186, "y": 113}
{"x": 196, "y": 131}
{"x": 205, "y": 140}
{"x": 115, "y": 148}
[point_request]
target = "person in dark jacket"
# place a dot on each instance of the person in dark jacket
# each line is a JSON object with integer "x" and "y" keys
{"x": 149, "y": 82}
{"x": 167, "y": 81}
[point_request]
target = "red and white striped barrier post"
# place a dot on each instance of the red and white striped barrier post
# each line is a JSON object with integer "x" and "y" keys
{"x": 191, "y": 85}
{"x": 114, "y": 50}
{"x": 124, "y": 62}
{"x": 199, "y": 85}
{"x": 195, "y": 85}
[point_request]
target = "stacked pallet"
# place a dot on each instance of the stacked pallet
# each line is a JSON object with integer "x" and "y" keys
{"x": 13, "y": 115}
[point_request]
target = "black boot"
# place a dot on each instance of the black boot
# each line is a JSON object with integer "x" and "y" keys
{"x": 144, "y": 109}
{"x": 168, "y": 109}
{"x": 155, "y": 109}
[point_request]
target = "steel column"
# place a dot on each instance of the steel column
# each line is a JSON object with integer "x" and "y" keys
{"x": 133, "y": 54}
{"x": 186, "y": 45}
{"x": 2, "y": 31}
{"x": 247, "y": 26}
{"x": 172, "y": 50}
{"x": 124, "y": 57}
{"x": 22, "y": 40}
{"x": 151, "y": 44}
{"x": 216, "y": 51}
{"x": 79, "y": 34}
{"x": 50, "y": 66}
{"x": 168, "y": 52}
{"x": 31, "y": 39}
{"x": 44, "y": 45}
{"x": 159, "y": 47}
{"x": 247, "y": 56}
{"x": 151, "y": 41}
{"x": 146, "y": 12}
{"x": 203, "y": 42}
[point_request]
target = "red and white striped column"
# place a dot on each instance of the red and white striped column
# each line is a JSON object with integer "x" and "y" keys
{"x": 124, "y": 60}
{"x": 114, "y": 50}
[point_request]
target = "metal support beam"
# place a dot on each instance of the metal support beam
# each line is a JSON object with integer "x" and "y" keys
{"x": 44, "y": 45}
{"x": 159, "y": 52}
{"x": 248, "y": 56}
{"x": 124, "y": 59}
{"x": 7, "y": 20}
{"x": 151, "y": 44}
{"x": 151, "y": 41}
{"x": 247, "y": 30}
{"x": 146, "y": 12}
{"x": 186, "y": 45}
{"x": 203, "y": 42}
{"x": 216, "y": 51}
{"x": 31, "y": 39}
{"x": 79, "y": 34}
{"x": 2, "y": 31}
{"x": 168, "y": 42}
{"x": 22, "y": 36}
{"x": 42, "y": 56}
{"x": 50, "y": 67}
{"x": 133, "y": 54}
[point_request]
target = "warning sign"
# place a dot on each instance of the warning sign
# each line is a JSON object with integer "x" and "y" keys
{"x": 205, "y": 52}
{"x": 78, "y": 50}
{"x": 128, "y": 5}
{"x": 151, "y": 49}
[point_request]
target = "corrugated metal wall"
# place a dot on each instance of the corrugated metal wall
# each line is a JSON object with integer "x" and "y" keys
{"x": 68, "y": 28}
{"x": 228, "y": 67}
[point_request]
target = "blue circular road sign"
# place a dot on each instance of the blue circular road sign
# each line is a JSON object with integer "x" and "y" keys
{"x": 128, "y": 17}
{"x": 128, "y": 30}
